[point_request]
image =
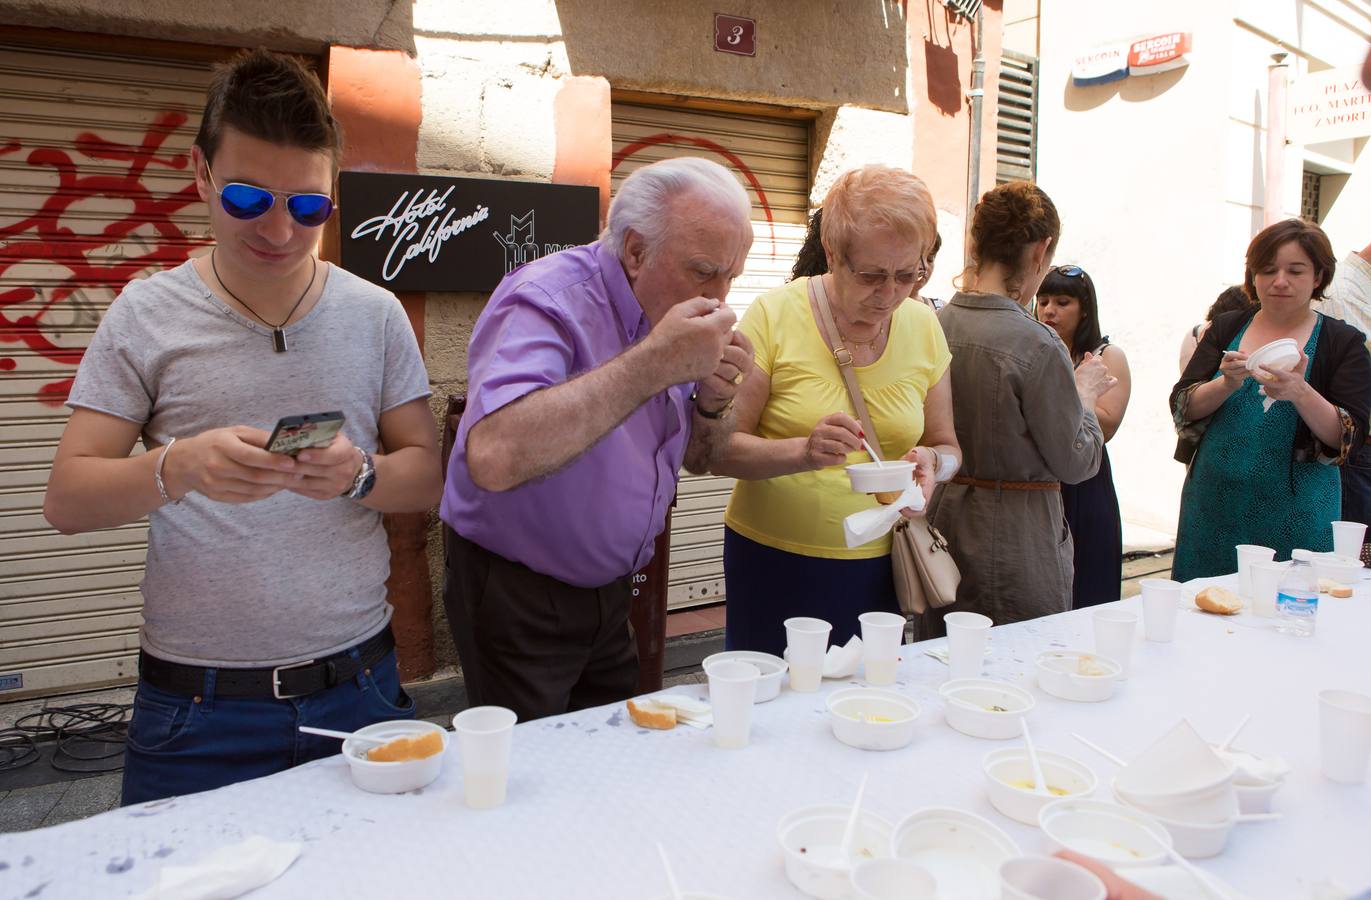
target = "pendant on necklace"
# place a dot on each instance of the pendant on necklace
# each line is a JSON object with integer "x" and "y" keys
{"x": 278, "y": 340}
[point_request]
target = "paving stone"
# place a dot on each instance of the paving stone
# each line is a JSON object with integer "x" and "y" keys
{"x": 86, "y": 797}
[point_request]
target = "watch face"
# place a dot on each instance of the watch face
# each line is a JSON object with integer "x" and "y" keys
{"x": 368, "y": 482}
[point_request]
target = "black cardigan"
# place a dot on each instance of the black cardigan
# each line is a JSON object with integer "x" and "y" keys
{"x": 1341, "y": 373}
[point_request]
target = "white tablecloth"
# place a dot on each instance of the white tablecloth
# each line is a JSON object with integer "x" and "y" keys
{"x": 590, "y": 793}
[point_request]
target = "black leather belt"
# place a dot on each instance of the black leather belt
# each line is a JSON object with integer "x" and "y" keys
{"x": 282, "y": 682}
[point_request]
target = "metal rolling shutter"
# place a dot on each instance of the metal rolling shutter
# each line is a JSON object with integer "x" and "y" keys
{"x": 771, "y": 157}
{"x": 95, "y": 189}
{"x": 1016, "y": 129}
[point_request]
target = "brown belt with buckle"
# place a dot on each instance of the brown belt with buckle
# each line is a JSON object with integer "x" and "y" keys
{"x": 1008, "y": 485}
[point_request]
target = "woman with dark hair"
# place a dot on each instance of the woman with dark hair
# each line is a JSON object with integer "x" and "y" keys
{"x": 1024, "y": 420}
{"x": 1068, "y": 305}
{"x": 1230, "y": 298}
{"x": 1268, "y": 476}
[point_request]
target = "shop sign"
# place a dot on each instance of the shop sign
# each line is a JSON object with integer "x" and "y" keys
{"x": 432, "y": 233}
{"x": 1119, "y": 59}
{"x": 1162, "y": 53}
{"x": 734, "y": 34}
{"x": 1331, "y": 105}
{"x": 1103, "y": 64}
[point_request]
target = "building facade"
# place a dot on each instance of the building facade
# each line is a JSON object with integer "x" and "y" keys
{"x": 99, "y": 104}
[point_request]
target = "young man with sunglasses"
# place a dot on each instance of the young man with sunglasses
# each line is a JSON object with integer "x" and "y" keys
{"x": 264, "y": 591}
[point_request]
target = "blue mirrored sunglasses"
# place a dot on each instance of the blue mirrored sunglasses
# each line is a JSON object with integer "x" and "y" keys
{"x": 247, "y": 201}
{"x": 1069, "y": 271}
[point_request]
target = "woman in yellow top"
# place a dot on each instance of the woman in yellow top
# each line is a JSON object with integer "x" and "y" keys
{"x": 784, "y": 553}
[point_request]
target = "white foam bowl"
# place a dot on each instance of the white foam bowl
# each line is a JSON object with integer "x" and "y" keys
{"x": 1279, "y": 354}
{"x": 773, "y": 670}
{"x": 1342, "y": 569}
{"x": 393, "y": 777}
{"x": 1109, "y": 833}
{"x": 1192, "y": 839}
{"x": 851, "y": 711}
{"x": 968, "y": 702}
{"x": 1009, "y": 771}
{"x": 1059, "y": 675}
{"x": 814, "y": 828}
{"x": 962, "y": 851}
{"x": 1256, "y": 798}
{"x": 879, "y": 478}
{"x": 1208, "y": 803}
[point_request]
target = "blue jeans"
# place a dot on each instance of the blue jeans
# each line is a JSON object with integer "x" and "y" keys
{"x": 181, "y": 745}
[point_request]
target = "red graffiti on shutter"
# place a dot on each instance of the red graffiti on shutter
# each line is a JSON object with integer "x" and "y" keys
{"x": 714, "y": 147}
{"x": 132, "y": 240}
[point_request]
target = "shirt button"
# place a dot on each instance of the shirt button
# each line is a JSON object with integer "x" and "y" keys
{"x": 1079, "y": 445}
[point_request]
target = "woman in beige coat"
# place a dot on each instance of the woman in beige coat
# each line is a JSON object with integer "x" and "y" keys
{"x": 1025, "y": 420}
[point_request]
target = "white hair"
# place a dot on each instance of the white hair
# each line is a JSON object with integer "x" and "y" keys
{"x": 643, "y": 202}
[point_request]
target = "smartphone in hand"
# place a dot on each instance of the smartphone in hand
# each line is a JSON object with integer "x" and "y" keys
{"x": 295, "y": 433}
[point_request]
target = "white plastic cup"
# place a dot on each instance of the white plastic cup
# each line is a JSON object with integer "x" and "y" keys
{"x": 882, "y": 633}
{"x": 1114, "y": 630}
{"x": 1161, "y": 599}
{"x": 1248, "y": 554}
{"x": 1345, "y": 735}
{"x": 484, "y": 736}
{"x": 1348, "y": 538}
{"x": 732, "y": 693}
{"x": 966, "y": 636}
{"x": 1266, "y": 581}
{"x": 806, "y": 641}
{"x": 1048, "y": 878}
{"x": 893, "y": 879}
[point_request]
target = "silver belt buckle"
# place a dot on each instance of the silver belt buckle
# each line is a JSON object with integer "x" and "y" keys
{"x": 276, "y": 679}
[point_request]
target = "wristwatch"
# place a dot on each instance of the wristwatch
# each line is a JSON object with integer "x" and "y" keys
{"x": 365, "y": 479}
{"x": 716, "y": 414}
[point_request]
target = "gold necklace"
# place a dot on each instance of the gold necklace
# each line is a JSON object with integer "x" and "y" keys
{"x": 871, "y": 344}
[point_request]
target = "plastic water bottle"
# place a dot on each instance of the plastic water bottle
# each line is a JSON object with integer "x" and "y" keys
{"x": 1297, "y": 598}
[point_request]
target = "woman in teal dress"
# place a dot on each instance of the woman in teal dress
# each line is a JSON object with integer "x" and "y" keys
{"x": 1259, "y": 476}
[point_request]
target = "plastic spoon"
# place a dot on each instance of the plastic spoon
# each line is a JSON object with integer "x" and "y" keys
{"x": 347, "y": 735}
{"x": 670, "y": 876}
{"x": 1039, "y": 782}
{"x": 850, "y": 832}
{"x": 1197, "y": 873}
{"x": 1100, "y": 750}
{"x": 1236, "y": 731}
{"x": 874, "y": 455}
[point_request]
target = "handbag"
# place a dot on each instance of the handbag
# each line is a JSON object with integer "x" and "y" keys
{"x": 926, "y": 576}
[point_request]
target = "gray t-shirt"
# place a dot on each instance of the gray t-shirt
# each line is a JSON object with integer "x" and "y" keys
{"x": 287, "y": 578}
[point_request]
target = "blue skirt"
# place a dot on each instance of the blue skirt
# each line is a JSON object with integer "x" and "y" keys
{"x": 765, "y": 586}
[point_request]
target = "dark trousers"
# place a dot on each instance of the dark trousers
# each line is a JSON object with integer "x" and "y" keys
{"x": 180, "y": 745}
{"x": 534, "y": 644}
{"x": 1356, "y": 490}
{"x": 766, "y": 586}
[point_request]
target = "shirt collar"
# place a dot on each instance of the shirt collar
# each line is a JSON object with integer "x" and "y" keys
{"x": 987, "y": 301}
{"x": 632, "y": 321}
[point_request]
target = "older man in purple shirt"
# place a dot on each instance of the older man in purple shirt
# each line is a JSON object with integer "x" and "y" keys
{"x": 595, "y": 374}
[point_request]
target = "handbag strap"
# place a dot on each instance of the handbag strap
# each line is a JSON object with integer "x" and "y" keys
{"x": 844, "y": 359}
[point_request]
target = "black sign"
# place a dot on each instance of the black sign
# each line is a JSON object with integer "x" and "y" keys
{"x": 431, "y": 233}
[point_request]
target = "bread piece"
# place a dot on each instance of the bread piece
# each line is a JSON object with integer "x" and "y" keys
{"x": 650, "y": 714}
{"x": 885, "y": 498}
{"x": 1218, "y": 600}
{"x": 410, "y": 747}
{"x": 1334, "y": 588}
{"x": 1086, "y": 665}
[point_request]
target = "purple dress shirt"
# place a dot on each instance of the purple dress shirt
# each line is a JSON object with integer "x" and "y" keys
{"x": 596, "y": 518}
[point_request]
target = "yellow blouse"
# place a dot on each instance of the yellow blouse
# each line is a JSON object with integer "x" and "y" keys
{"x": 803, "y": 513}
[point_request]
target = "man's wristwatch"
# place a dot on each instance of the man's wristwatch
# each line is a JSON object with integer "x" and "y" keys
{"x": 716, "y": 414}
{"x": 365, "y": 479}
